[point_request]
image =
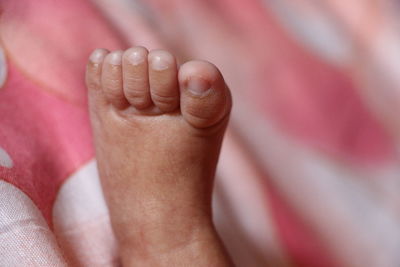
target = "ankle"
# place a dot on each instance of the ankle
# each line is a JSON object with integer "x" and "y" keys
{"x": 194, "y": 246}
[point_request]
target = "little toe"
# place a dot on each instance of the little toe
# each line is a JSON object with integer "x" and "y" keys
{"x": 93, "y": 77}
{"x": 111, "y": 79}
{"x": 136, "y": 77}
{"x": 163, "y": 80}
{"x": 94, "y": 67}
{"x": 205, "y": 98}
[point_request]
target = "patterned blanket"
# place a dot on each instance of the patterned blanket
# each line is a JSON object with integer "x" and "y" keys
{"x": 309, "y": 173}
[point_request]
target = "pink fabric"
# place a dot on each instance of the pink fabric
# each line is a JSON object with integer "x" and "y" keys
{"x": 46, "y": 108}
{"x": 309, "y": 170}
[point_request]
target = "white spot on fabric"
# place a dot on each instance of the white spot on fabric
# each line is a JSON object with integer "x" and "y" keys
{"x": 5, "y": 159}
{"x": 81, "y": 219}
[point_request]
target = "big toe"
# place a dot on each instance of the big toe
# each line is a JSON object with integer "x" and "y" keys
{"x": 205, "y": 98}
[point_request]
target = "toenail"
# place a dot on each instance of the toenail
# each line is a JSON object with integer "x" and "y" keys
{"x": 198, "y": 86}
{"x": 115, "y": 58}
{"x": 160, "y": 63}
{"x": 136, "y": 58}
{"x": 97, "y": 56}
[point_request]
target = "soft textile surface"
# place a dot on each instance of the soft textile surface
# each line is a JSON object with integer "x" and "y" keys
{"x": 309, "y": 173}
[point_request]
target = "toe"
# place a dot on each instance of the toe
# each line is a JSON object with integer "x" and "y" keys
{"x": 93, "y": 69}
{"x": 136, "y": 77}
{"x": 205, "y": 98}
{"x": 93, "y": 77}
{"x": 163, "y": 80}
{"x": 111, "y": 79}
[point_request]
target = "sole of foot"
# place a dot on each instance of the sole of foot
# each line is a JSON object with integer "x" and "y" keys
{"x": 158, "y": 130}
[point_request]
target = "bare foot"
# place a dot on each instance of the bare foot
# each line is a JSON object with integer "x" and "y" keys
{"x": 158, "y": 132}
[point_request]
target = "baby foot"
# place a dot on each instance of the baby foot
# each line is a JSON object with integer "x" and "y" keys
{"x": 158, "y": 131}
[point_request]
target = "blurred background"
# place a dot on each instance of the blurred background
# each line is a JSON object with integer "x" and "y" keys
{"x": 309, "y": 173}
